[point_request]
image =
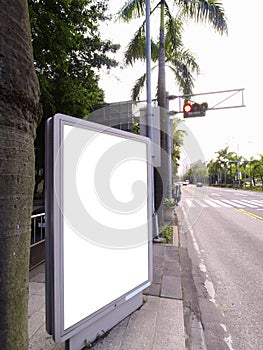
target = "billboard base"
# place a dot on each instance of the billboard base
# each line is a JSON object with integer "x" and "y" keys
{"x": 104, "y": 324}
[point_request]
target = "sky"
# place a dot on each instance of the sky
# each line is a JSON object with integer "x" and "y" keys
{"x": 226, "y": 62}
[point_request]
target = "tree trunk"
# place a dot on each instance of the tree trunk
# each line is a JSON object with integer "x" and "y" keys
{"x": 19, "y": 115}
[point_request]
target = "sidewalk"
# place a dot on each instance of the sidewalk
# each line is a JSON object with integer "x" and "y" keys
{"x": 157, "y": 325}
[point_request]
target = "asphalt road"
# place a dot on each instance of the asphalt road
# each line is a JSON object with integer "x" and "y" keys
{"x": 223, "y": 232}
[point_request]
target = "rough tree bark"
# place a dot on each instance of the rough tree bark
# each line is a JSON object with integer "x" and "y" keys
{"x": 19, "y": 115}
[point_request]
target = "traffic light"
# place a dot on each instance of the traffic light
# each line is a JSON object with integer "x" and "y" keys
{"x": 194, "y": 109}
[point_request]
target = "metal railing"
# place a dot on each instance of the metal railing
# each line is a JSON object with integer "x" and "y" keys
{"x": 37, "y": 228}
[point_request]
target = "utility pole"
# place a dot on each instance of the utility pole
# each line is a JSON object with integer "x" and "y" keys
{"x": 169, "y": 194}
{"x": 149, "y": 114}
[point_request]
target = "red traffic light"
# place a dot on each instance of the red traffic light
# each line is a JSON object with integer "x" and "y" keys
{"x": 188, "y": 107}
{"x": 194, "y": 110}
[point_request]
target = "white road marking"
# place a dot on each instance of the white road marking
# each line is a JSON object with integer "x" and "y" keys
{"x": 211, "y": 290}
{"x": 216, "y": 194}
{"x": 208, "y": 284}
{"x": 257, "y": 201}
{"x": 216, "y": 203}
{"x": 246, "y": 204}
{"x": 190, "y": 203}
{"x": 253, "y": 203}
{"x": 212, "y": 203}
{"x": 202, "y": 204}
{"x": 233, "y": 204}
{"x": 202, "y": 266}
{"x": 223, "y": 204}
{"x": 228, "y": 340}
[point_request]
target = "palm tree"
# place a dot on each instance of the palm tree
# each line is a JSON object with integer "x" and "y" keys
{"x": 170, "y": 50}
{"x": 224, "y": 157}
{"x": 221, "y": 160}
{"x": 19, "y": 115}
{"x": 212, "y": 171}
{"x": 178, "y": 140}
{"x": 258, "y": 167}
{"x": 180, "y": 61}
{"x": 251, "y": 178}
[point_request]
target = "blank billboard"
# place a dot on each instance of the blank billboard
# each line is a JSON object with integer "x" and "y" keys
{"x": 98, "y": 207}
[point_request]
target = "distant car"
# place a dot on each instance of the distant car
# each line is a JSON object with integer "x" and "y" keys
{"x": 185, "y": 183}
{"x": 199, "y": 184}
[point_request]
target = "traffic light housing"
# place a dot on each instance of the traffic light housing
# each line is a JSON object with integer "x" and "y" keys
{"x": 194, "y": 109}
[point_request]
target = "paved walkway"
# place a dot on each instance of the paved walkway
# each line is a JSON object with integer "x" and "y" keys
{"x": 157, "y": 325}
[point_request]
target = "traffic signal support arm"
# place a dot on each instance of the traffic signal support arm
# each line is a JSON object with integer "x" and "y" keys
{"x": 218, "y": 105}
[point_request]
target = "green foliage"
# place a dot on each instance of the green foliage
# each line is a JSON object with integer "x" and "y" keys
{"x": 167, "y": 233}
{"x": 88, "y": 344}
{"x": 67, "y": 51}
{"x": 209, "y": 11}
{"x": 178, "y": 136}
{"x": 181, "y": 61}
{"x": 252, "y": 188}
{"x": 132, "y": 9}
{"x": 138, "y": 86}
{"x": 169, "y": 202}
{"x": 135, "y": 128}
{"x": 228, "y": 168}
{"x": 196, "y": 173}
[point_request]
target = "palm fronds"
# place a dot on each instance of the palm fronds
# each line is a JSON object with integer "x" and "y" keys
{"x": 138, "y": 86}
{"x": 210, "y": 11}
{"x": 131, "y": 10}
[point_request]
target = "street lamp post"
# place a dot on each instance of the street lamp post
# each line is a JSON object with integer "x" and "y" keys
{"x": 149, "y": 115}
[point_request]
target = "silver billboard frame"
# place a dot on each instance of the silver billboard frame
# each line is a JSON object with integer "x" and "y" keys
{"x": 109, "y": 312}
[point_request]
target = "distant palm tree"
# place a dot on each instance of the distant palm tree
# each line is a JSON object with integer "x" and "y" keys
{"x": 224, "y": 157}
{"x": 212, "y": 171}
{"x": 178, "y": 141}
{"x": 258, "y": 167}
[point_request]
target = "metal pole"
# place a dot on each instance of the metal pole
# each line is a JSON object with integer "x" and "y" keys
{"x": 169, "y": 150}
{"x": 149, "y": 116}
{"x": 148, "y": 72}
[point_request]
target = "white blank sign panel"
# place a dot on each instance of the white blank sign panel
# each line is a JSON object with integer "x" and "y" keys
{"x": 103, "y": 194}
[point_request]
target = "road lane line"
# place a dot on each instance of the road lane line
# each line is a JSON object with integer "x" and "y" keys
{"x": 232, "y": 204}
{"x": 245, "y": 204}
{"x": 253, "y": 216}
{"x": 190, "y": 203}
{"x": 202, "y": 204}
{"x": 250, "y": 202}
{"x": 212, "y": 203}
{"x": 208, "y": 284}
{"x": 257, "y": 202}
{"x": 222, "y": 204}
